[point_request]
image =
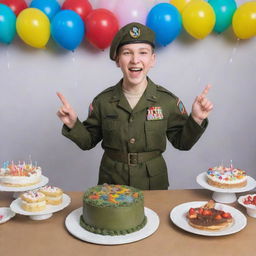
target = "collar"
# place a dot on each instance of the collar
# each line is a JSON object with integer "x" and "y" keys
{"x": 150, "y": 92}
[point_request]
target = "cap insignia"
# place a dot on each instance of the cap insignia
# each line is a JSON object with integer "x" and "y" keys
{"x": 135, "y": 32}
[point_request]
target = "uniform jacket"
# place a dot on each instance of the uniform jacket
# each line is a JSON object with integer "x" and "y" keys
{"x": 126, "y": 130}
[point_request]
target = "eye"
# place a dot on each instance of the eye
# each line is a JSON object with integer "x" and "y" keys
{"x": 126, "y": 52}
{"x": 143, "y": 52}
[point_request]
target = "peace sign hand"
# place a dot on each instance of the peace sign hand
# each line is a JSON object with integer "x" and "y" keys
{"x": 202, "y": 106}
{"x": 66, "y": 113}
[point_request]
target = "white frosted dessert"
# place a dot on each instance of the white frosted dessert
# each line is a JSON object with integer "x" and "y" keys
{"x": 226, "y": 177}
{"x": 53, "y": 194}
{"x": 19, "y": 175}
{"x": 33, "y": 201}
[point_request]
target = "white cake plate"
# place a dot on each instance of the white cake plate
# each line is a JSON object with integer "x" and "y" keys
{"x": 42, "y": 215}
{"x": 73, "y": 226}
{"x": 18, "y": 190}
{"x": 222, "y": 195}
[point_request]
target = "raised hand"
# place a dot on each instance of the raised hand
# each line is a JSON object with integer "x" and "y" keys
{"x": 202, "y": 106}
{"x": 66, "y": 113}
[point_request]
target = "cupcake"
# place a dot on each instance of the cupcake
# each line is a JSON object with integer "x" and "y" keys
{"x": 52, "y": 194}
{"x": 33, "y": 201}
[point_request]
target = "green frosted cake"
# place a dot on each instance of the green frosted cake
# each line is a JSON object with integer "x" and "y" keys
{"x": 113, "y": 210}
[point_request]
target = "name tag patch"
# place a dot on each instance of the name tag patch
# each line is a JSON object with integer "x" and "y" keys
{"x": 155, "y": 113}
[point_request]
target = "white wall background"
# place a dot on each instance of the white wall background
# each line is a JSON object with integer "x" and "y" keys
{"x": 29, "y": 79}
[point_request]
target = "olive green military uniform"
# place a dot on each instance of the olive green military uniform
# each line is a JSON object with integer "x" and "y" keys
{"x": 134, "y": 139}
{"x": 124, "y": 131}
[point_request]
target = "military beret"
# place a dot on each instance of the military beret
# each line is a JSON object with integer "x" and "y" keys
{"x": 131, "y": 34}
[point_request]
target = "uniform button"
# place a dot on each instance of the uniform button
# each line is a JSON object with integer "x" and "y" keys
{"x": 153, "y": 97}
{"x": 132, "y": 140}
{"x": 131, "y": 119}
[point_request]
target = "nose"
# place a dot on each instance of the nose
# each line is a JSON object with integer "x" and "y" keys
{"x": 135, "y": 58}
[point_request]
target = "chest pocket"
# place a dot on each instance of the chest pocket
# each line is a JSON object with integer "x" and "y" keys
{"x": 111, "y": 133}
{"x": 155, "y": 131}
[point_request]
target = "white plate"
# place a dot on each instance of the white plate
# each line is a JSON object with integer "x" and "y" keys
{"x": 202, "y": 180}
{"x": 44, "y": 181}
{"x": 178, "y": 217}
{"x": 16, "y": 207}
{"x": 73, "y": 226}
{"x": 7, "y": 214}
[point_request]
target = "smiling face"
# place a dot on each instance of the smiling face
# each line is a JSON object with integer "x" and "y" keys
{"x": 135, "y": 61}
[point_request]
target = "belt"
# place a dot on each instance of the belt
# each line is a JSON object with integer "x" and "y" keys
{"x": 132, "y": 158}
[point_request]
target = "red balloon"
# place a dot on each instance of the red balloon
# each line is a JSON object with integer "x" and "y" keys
{"x": 101, "y": 27}
{"x": 81, "y": 7}
{"x": 16, "y": 5}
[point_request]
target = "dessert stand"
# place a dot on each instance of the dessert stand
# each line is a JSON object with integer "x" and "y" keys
{"x": 18, "y": 190}
{"x": 42, "y": 215}
{"x": 222, "y": 195}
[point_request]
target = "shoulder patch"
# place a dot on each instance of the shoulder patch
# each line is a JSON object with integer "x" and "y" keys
{"x": 90, "y": 110}
{"x": 181, "y": 107}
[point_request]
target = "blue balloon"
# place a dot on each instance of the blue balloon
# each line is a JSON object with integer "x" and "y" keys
{"x": 48, "y": 7}
{"x": 165, "y": 20}
{"x": 67, "y": 29}
{"x": 224, "y": 11}
{"x": 7, "y": 24}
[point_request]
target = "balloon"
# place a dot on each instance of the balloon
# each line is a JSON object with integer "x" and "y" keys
{"x": 180, "y": 4}
{"x": 244, "y": 21}
{"x": 224, "y": 10}
{"x": 7, "y": 24}
{"x": 101, "y": 27}
{"x": 107, "y": 4}
{"x": 82, "y": 7}
{"x": 48, "y": 7}
{"x": 16, "y": 5}
{"x": 67, "y": 29}
{"x": 128, "y": 11}
{"x": 166, "y": 22}
{"x": 198, "y": 19}
{"x": 33, "y": 27}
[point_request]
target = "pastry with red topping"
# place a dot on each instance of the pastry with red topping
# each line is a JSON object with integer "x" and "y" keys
{"x": 207, "y": 217}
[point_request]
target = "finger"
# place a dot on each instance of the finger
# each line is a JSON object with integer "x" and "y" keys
{"x": 60, "y": 113}
{"x": 203, "y": 102}
{"x": 206, "y": 90}
{"x": 210, "y": 108}
{"x": 63, "y": 111}
{"x": 62, "y": 99}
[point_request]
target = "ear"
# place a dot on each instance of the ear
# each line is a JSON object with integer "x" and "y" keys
{"x": 153, "y": 60}
{"x": 117, "y": 62}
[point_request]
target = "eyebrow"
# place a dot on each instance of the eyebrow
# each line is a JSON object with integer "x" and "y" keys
{"x": 142, "y": 48}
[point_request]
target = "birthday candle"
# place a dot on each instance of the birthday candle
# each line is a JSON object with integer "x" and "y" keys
{"x": 231, "y": 164}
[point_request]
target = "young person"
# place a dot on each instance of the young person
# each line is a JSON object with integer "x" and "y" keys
{"x": 134, "y": 118}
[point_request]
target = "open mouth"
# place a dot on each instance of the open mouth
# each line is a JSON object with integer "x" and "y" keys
{"x": 135, "y": 69}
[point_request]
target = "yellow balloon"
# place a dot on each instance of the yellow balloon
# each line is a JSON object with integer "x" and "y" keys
{"x": 198, "y": 19}
{"x": 180, "y": 4}
{"x": 244, "y": 21}
{"x": 33, "y": 27}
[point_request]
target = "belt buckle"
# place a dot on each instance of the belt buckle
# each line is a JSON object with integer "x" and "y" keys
{"x": 131, "y": 158}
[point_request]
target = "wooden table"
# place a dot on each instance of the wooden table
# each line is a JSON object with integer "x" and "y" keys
{"x": 23, "y": 236}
